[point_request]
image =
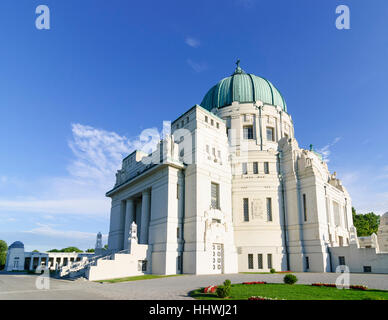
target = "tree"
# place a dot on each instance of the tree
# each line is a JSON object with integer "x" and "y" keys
{"x": 54, "y": 250}
{"x": 3, "y": 253}
{"x": 90, "y": 250}
{"x": 71, "y": 249}
{"x": 35, "y": 250}
{"x": 106, "y": 247}
{"x": 366, "y": 224}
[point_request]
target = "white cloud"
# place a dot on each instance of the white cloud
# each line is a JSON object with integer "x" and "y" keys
{"x": 197, "y": 67}
{"x": 97, "y": 156}
{"x": 46, "y": 230}
{"x": 325, "y": 151}
{"x": 192, "y": 42}
{"x": 97, "y": 152}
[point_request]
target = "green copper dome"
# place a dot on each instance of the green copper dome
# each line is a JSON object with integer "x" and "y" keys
{"x": 242, "y": 87}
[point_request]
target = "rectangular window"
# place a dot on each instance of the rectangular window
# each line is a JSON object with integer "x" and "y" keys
{"x": 207, "y": 149}
{"x": 187, "y": 119}
{"x": 304, "y": 208}
{"x": 367, "y": 269}
{"x": 269, "y": 209}
{"x": 336, "y": 213}
{"x": 346, "y": 217}
{"x": 244, "y": 168}
{"x": 307, "y": 263}
{"x": 206, "y": 119}
{"x": 260, "y": 261}
{"x": 215, "y": 195}
{"x": 341, "y": 241}
{"x": 246, "y": 209}
{"x": 142, "y": 265}
{"x": 266, "y": 167}
{"x": 248, "y": 132}
{"x": 212, "y": 122}
{"x": 250, "y": 261}
{"x": 341, "y": 261}
{"x": 255, "y": 168}
{"x": 217, "y": 125}
{"x": 269, "y": 260}
{"x": 270, "y": 134}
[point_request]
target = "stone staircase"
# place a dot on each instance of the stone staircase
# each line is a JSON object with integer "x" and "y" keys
{"x": 78, "y": 269}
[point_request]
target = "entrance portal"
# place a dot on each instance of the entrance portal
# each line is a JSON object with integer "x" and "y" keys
{"x": 218, "y": 258}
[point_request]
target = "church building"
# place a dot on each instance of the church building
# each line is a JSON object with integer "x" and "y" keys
{"x": 229, "y": 190}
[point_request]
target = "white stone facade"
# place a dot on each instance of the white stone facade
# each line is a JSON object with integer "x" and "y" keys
{"x": 19, "y": 260}
{"x": 277, "y": 206}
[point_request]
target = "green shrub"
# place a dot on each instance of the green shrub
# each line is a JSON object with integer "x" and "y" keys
{"x": 290, "y": 279}
{"x": 224, "y": 291}
{"x": 272, "y": 270}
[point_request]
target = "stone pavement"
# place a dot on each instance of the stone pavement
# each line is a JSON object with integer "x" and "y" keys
{"x": 22, "y": 286}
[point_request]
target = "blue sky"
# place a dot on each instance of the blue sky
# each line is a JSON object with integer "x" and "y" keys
{"x": 74, "y": 99}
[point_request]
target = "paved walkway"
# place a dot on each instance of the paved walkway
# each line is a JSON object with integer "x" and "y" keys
{"x": 22, "y": 286}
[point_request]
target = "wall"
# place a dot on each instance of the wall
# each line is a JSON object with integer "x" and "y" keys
{"x": 356, "y": 258}
{"x": 122, "y": 265}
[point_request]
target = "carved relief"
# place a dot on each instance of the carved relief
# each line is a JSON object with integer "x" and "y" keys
{"x": 257, "y": 209}
{"x": 215, "y": 228}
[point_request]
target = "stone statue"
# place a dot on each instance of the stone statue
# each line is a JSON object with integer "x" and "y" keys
{"x": 132, "y": 239}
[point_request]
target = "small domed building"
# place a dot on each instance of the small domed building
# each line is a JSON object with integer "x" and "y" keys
{"x": 15, "y": 257}
{"x": 230, "y": 190}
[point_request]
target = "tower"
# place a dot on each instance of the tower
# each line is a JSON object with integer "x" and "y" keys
{"x": 98, "y": 247}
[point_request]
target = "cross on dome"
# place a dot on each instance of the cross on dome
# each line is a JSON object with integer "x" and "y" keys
{"x": 238, "y": 68}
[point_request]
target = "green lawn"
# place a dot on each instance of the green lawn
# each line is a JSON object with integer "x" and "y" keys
{"x": 294, "y": 292}
{"x": 134, "y": 278}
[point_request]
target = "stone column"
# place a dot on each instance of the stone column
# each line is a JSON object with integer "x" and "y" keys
{"x": 145, "y": 217}
{"x": 32, "y": 262}
{"x": 257, "y": 129}
{"x": 261, "y": 127}
{"x": 281, "y": 124}
{"x": 129, "y": 217}
{"x": 39, "y": 261}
